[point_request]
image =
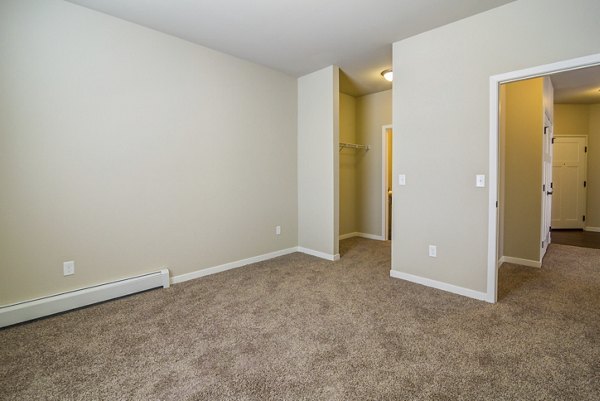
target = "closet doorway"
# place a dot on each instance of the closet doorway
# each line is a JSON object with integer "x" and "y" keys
{"x": 386, "y": 181}
{"x": 362, "y": 203}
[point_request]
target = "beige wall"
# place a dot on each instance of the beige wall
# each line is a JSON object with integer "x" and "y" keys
{"x": 348, "y": 162}
{"x": 128, "y": 150}
{"x": 524, "y": 113}
{"x": 584, "y": 119}
{"x": 571, "y": 119}
{"x": 441, "y": 125}
{"x": 318, "y": 161}
{"x": 372, "y": 112}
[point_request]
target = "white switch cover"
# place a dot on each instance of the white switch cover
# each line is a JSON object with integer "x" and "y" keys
{"x": 69, "y": 268}
{"x": 480, "y": 180}
{"x": 401, "y": 179}
{"x": 433, "y": 251}
{"x": 278, "y": 230}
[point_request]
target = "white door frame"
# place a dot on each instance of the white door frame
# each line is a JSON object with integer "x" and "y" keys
{"x": 384, "y": 179}
{"x": 495, "y": 82}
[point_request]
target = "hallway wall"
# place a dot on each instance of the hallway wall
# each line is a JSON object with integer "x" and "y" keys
{"x": 524, "y": 110}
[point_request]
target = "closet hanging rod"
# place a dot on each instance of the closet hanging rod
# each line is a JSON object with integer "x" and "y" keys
{"x": 353, "y": 146}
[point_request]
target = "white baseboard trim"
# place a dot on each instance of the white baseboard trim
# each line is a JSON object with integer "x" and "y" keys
{"x": 319, "y": 254}
{"x": 592, "y": 229}
{"x": 362, "y": 235}
{"x": 33, "y": 309}
{"x": 519, "y": 261}
{"x": 231, "y": 265}
{"x": 481, "y": 296}
{"x": 371, "y": 236}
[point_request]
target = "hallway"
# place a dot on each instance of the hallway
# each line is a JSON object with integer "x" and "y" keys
{"x": 584, "y": 239}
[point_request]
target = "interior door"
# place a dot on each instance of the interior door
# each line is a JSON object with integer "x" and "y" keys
{"x": 569, "y": 171}
{"x": 547, "y": 191}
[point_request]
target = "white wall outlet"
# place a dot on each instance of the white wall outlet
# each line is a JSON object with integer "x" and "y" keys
{"x": 69, "y": 268}
{"x": 401, "y": 179}
{"x": 480, "y": 180}
{"x": 433, "y": 251}
{"x": 278, "y": 230}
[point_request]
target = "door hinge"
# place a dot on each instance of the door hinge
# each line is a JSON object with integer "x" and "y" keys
{"x": 551, "y": 185}
{"x": 586, "y": 149}
{"x": 553, "y": 140}
{"x": 542, "y": 244}
{"x": 584, "y": 217}
{"x": 496, "y": 203}
{"x": 543, "y": 187}
{"x": 585, "y": 184}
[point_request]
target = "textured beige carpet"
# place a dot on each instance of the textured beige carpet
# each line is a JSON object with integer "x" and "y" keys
{"x": 299, "y": 328}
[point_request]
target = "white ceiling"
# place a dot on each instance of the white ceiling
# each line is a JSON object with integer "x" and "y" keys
{"x": 577, "y": 86}
{"x": 299, "y": 36}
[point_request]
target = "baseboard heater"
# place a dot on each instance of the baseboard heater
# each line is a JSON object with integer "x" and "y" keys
{"x": 29, "y": 310}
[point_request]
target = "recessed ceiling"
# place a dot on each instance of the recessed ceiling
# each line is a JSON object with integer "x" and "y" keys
{"x": 299, "y": 36}
{"x": 577, "y": 86}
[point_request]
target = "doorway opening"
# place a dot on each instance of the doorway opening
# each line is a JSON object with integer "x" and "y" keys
{"x": 386, "y": 181}
{"x": 525, "y": 178}
{"x": 495, "y": 167}
{"x": 362, "y": 204}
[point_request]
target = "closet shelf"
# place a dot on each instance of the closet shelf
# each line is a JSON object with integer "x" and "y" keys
{"x": 353, "y": 146}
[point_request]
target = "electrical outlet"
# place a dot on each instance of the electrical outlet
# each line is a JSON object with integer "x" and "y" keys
{"x": 433, "y": 251}
{"x": 278, "y": 230}
{"x": 69, "y": 268}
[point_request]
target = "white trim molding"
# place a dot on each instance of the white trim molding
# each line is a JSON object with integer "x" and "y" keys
{"x": 319, "y": 254}
{"x": 519, "y": 261}
{"x": 46, "y": 306}
{"x": 592, "y": 229}
{"x": 481, "y": 296}
{"x": 363, "y": 235}
{"x": 231, "y": 265}
{"x": 255, "y": 259}
{"x": 371, "y": 236}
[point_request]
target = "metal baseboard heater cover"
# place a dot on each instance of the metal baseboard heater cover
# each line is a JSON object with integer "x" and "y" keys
{"x": 29, "y": 310}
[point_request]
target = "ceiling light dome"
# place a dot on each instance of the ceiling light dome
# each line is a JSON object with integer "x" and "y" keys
{"x": 388, "y": 74}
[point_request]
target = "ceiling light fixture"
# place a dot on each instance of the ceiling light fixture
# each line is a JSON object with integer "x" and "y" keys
{"x": 388, "y": 74}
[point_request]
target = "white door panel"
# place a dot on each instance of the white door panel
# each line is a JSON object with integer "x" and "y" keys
{"x": 546, "y": 183}
{"x": 569, "y": 171}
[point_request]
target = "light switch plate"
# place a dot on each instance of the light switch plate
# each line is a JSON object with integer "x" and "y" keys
{"x": 480, "y": 180}
{"x": 401, "y": 179}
